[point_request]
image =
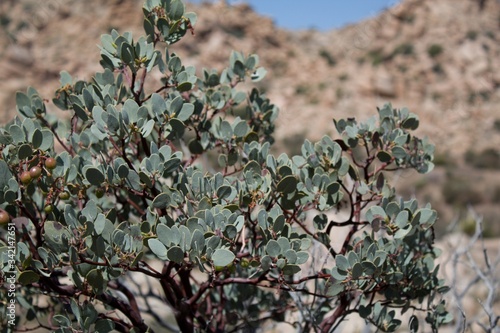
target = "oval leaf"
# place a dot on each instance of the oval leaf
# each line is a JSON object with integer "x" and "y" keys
{"x": 384, "y": 156}
{"x": 273, "y": 248}
{"x": 222, "y": 257}
{"x": 161, "y": 201}
{"x": 287, "y": 184}
{"x": 157, "y": 248}
{"x": 175, "y": 254}
{"x": 28, "y": 277}
{"x": 94, "y": 176}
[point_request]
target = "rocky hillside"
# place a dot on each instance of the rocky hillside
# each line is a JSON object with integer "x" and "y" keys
{"x": 439, "y": 58}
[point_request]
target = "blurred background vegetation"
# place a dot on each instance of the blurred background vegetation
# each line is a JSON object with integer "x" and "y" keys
{"x": 440, "y": 60}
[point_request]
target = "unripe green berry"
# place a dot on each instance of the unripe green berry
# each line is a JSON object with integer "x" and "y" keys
{"x": 64, "y": 195}
{"x": 48, "y": 209}
{"x": 99, "y": 193}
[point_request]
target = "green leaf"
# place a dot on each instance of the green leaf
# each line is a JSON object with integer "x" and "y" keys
{"x": 226, "y": 131}
{"x": 302, "y": 257}
{"x": 279, "y": 223}
{"x": 37, "y": 138}
{"x": 17, "y": 134}
{"x": 251, "y": 137}
{"x": 96, "y": 281}
{"x": 195, "y": 147}
{"x": 174, "y": 64}
{"x": 375, "y": 212}
{"x": 79, "y": 111}
{"x": 239, "y": 68}
{"x": 184, "y": 86}
{"x": 175, "y": 254}
{"x": 384, "y": 156}
{"x": 413, "y": 324}
{"x": 47, "y": 141}
{"x": 61, "y": 320}
{"x": 28, "y": 277}
{"x": 225, "y": 192}
{"x": 402, "y": 219}
{"x": 369, "y": 267}
{"x": 94, "y": 176}
{"x": 239, "y": 97}
{"x": 291, "y": 269}
{"x": 398, "y": 152}
{"x": 266, "y": 262}
{"x": 123, "y": 171}
{"x": 342, "y": 262}
{"x": 291, "y": 256}
{"x": 357, "y": 271}
{"x": 222, "y": 257}
{"x": 365, "y": 311}
{"x": 147, "y": 128}
{"x": 410, "y": 123}
{"x": 241, "y": 129}
{"x": 104, "y": 326}
{"x": 259, "y": 74}
{"x": 252, "y": 61}
{"x": 23, "y": 103}
{"x": 213, "y": 80}
{"x": 185, "y": 112}
{"x": 335, "y": 289}
{"x": 24, "y": 151}
{"x": 401, "y": 233}
{"x": 287, "y": 185}
{"x": 333, "y": 188}
{"x": 253, "y": 167}
{"x": 163, "y": 233}
{"x": 284, "y": 244}
{"x": 161, "y": 201}
{"x": 65, "y": 78}
{"x": 273, "y": 248}
{"x": 158, "y": 248}
{"x": 176, "y": 10}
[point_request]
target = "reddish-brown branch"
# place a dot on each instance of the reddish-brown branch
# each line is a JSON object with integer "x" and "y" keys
{"x": 327, "y": 323}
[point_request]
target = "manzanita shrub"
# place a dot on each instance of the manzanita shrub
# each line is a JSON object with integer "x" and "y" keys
{"x": 173, "y": 184}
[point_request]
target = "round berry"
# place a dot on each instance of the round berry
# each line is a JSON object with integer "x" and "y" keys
{"x": 35, "y": 172}
{"x": 99, "y": 193}
{"x": 64, "y": 195}
{"x": 4, "y": 217}
{"x": 48, "y": 209}
{"x": 25, "y": 177}
{"x": 50, "y": 163}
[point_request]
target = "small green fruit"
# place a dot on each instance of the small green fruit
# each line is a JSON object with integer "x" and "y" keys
{"x": 48, "y": 209}
{"x": 99, "y": 193}
{"x": 50, "y": 163}
{"x": 4, "y": 217}
{"x": 64, "y": 195}
{"x": 25, "y": 177}
{"x": 35, "y": 172}
{"x": 245, "y": 262}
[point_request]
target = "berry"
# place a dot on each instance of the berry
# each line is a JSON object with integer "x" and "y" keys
{"x": 25, "y": 177}
{"x": 64, "y": 195}
{"x": 35, "y": 172}
{"x": 99, "y": 193}
{"x": 50, "y": 163}
{"x": 48, "y": 209}
{"x": 4, "y": 217}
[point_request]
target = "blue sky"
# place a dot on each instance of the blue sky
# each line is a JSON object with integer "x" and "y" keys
{"x": 318, "y": 14}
